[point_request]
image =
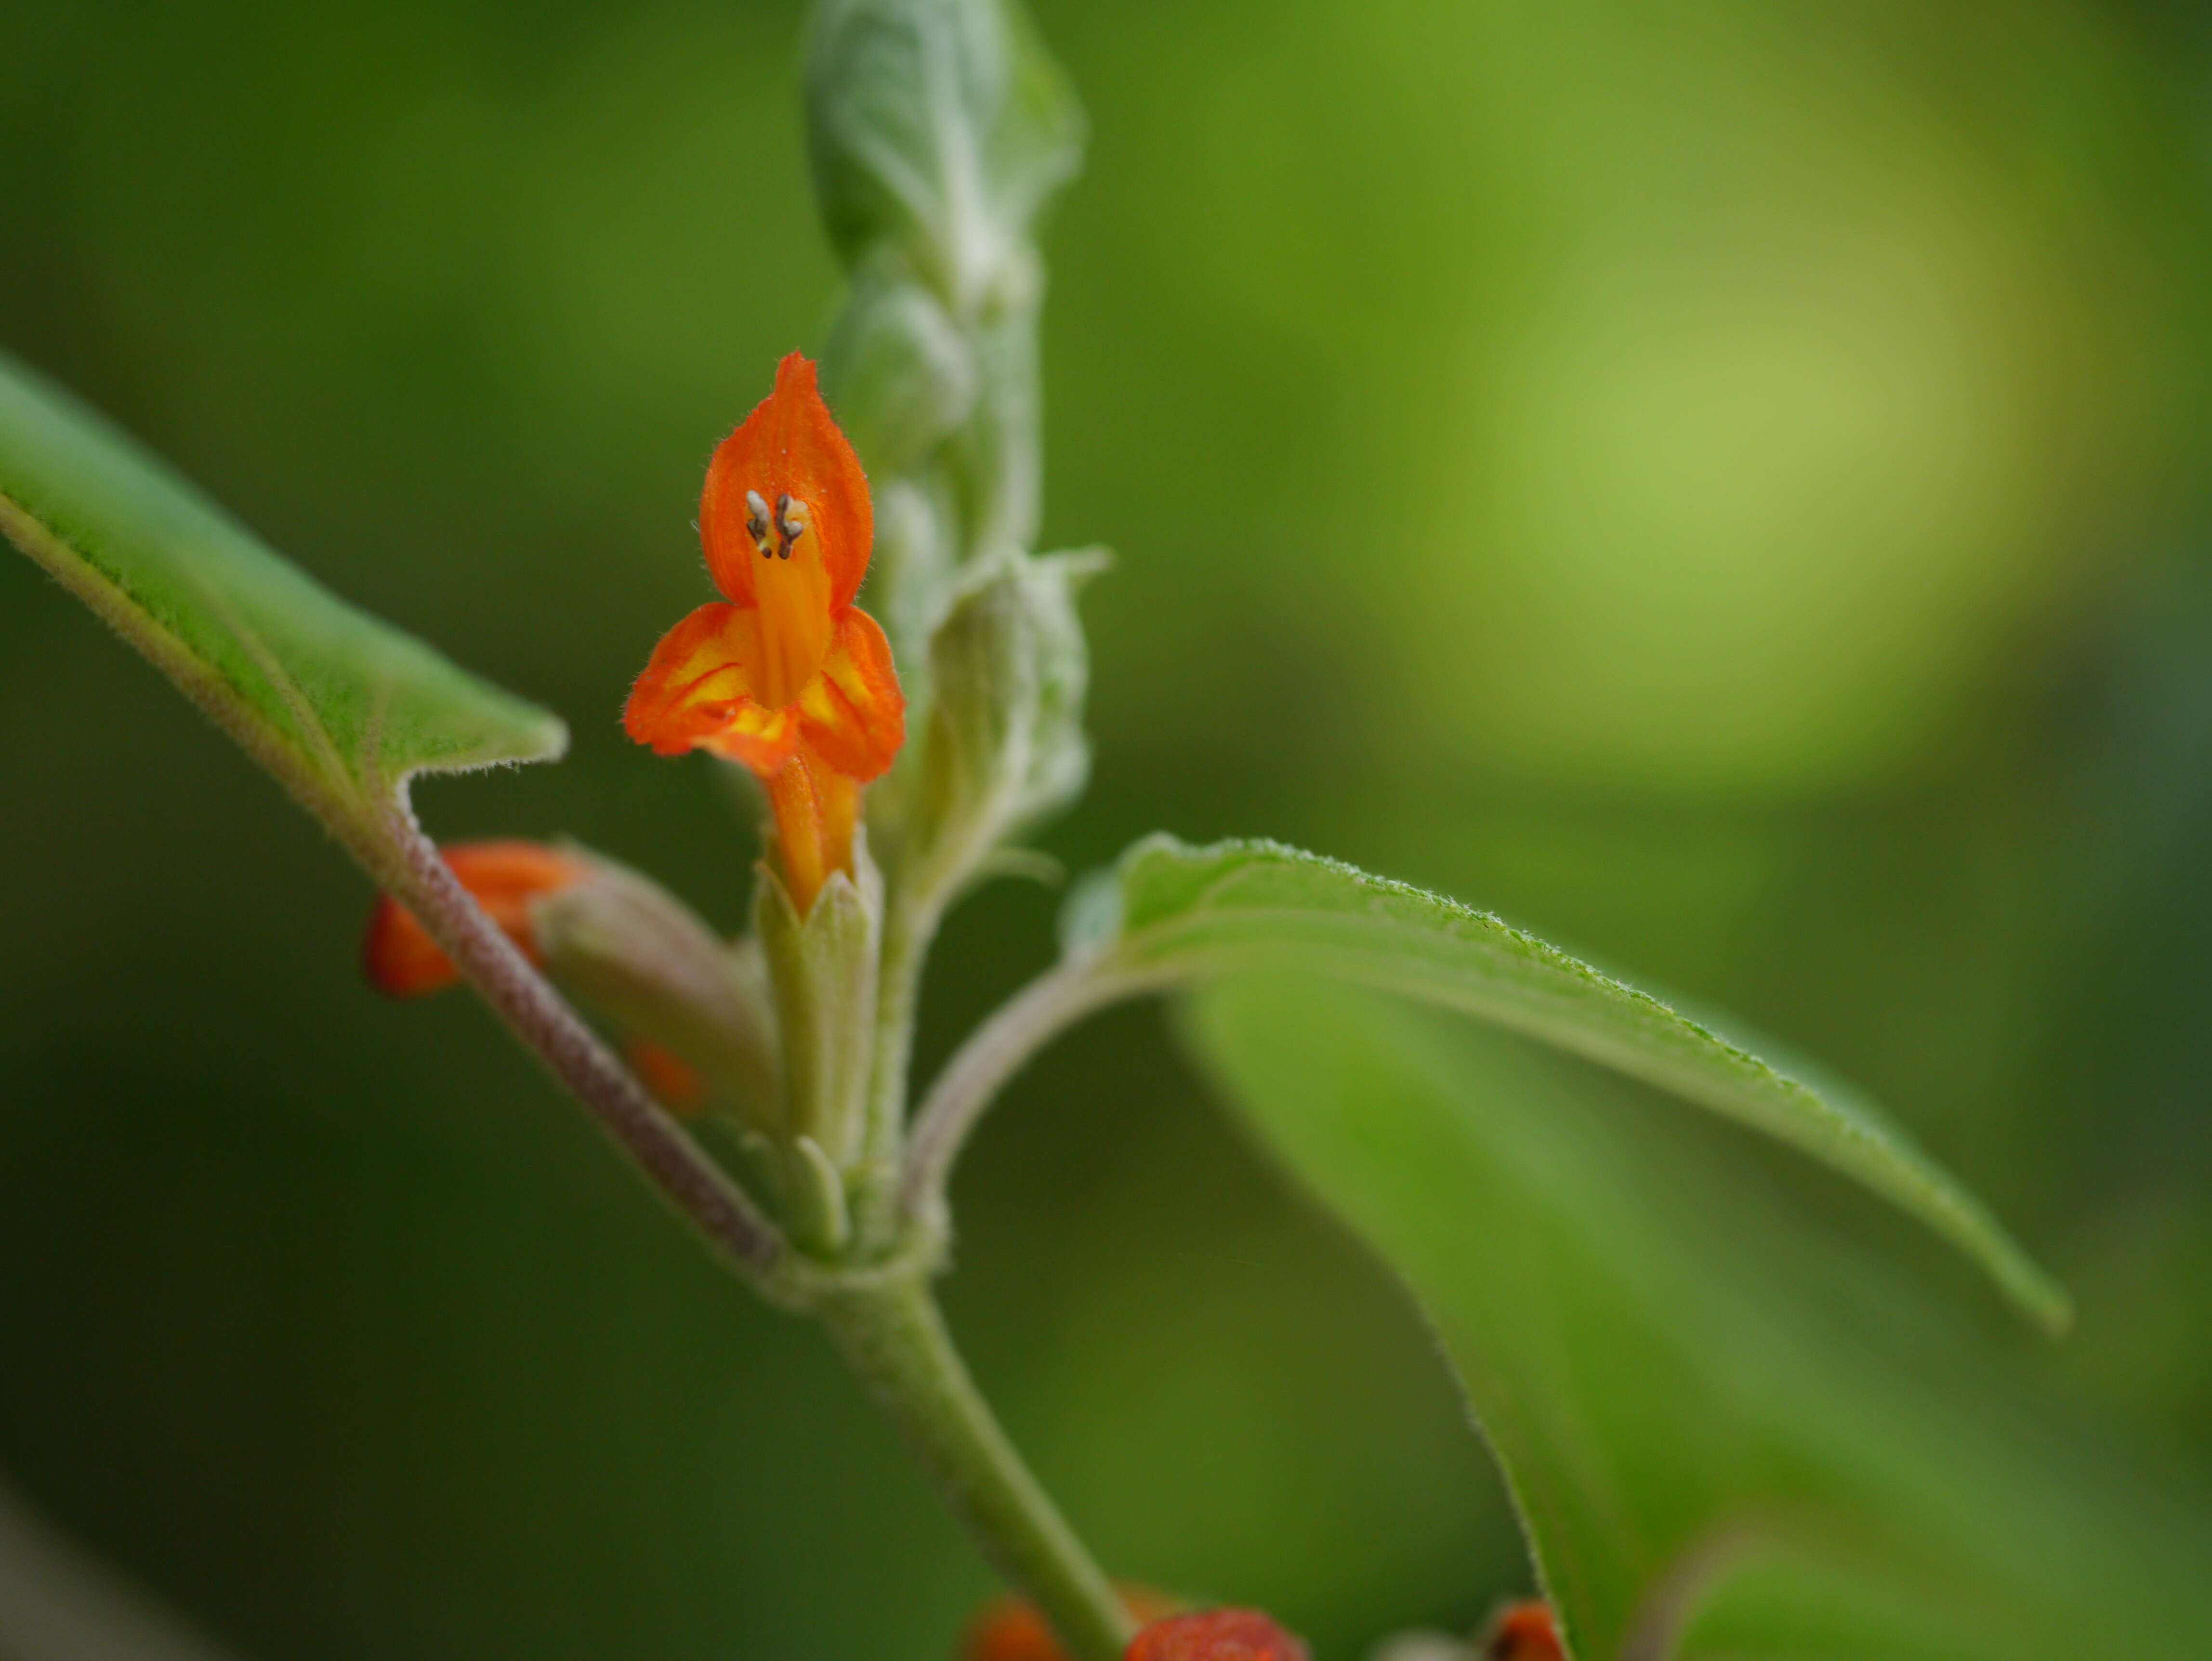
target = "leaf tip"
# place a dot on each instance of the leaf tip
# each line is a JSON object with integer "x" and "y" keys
{"x": 2042, "y": 1299}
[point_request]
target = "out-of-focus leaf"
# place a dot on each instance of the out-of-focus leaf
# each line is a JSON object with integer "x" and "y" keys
{"x": 1728, "y": 1432}
{"x": 340, "y": 707}
{"x": 59, "y": 1603}
{"x": 937, "y": 129}
{"x": 1174, "y": 911}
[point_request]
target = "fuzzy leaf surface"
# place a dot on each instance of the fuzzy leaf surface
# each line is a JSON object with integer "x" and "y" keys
{"x": 340, "y": 707}
{"x": 1730, "y": 1430}
{"x": 1174, "y": 911}
{"x": 937, "y": 129}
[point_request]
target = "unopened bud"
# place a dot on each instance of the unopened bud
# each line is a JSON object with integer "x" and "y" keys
{"x": 896, "y": 371}
{"x": 688, "y": 1010}
{"x": 638, "y": 956}
{"x": 1524, "y": 1632}
{"x": 505, "y": 877}
{"x": 1003, "y": 745}
{"x": 674, "y": 1082}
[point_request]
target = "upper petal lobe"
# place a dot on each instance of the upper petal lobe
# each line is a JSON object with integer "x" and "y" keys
{"x": 788, "y": 446}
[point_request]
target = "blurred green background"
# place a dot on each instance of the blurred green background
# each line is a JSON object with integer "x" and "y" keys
{"x": 1725, "y": 485}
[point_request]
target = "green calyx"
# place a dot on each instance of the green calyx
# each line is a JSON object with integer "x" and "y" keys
{"x": 822, "y": 977}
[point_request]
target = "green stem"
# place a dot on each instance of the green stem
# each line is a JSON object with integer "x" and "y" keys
{"x": 892, "y": 1334}
{"x": 906, "y": 945}
{"x": 909, "y": 925}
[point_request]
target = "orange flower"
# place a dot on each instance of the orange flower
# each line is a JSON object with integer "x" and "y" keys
{"x": 1215, "y": 1635}
{"x": 401, "y": 958}
{"x": 785, "y": 674}
{"x": 673, "y": 1082}
{"x": 1524, "y": 1632}
{"x": 1011, "y": 1628}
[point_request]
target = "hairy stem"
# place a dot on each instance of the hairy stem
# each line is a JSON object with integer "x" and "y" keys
{"x": 993, "y": 1052}
{"x": 552, "y": 1030}
{"x": 893, "y": 1335}
{"x": 905, "y": 946}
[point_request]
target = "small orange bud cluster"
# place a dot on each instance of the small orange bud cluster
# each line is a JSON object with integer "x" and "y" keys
{"x": 402, "y": 959}
{"x": 674, "y": 1082}
{"x": 1013, "y": 1630}
{"x": 1524, "y": 1632}
{"x": 507, "y": 878}
{"x": 1215, "y": 1635}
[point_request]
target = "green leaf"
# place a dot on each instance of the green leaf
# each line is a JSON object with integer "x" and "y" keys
{"x": 343, "y": 710}
{"x": 1728, "y": 1432}
{"x": 937, "y": 129}
{"x": 339, "y": 707}
{"x": 1176, "y": 911}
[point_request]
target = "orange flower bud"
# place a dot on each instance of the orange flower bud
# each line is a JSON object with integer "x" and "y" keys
{"x": 1013, "y": 1628}
{"x": 675, "y": 1083}
{"x": 786, "y": 675}
{"x": 505, "y": 877}
{"x": 1215, "y": 1635}
{"x": 1524, "y": 1632}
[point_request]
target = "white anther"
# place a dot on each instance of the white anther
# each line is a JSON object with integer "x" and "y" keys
{"x": 757, "y": 523}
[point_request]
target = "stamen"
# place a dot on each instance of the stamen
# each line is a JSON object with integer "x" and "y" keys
{"x": 757, "y": 523}
{"x": 792, "y": 519}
